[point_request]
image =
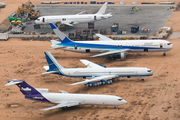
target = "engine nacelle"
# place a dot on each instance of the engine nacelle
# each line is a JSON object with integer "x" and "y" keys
{"x": 109, "y": 82}
{"x": 123, "y": 56}
{"x": 102, "y": 82}
{"x": 96, "y": 84}
{"x": 89, "y": 84}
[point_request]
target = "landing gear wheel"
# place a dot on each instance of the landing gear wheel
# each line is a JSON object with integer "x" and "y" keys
{"x": 115, "y": 106}
{"x": 142, "y": 80}
{"x": 164, "y": 54}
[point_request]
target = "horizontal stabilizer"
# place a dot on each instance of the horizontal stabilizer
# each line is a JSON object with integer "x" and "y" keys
{"x": 51, "y": 72}
{"x": 81, "y": 13}
{"x": 14, "y": 82}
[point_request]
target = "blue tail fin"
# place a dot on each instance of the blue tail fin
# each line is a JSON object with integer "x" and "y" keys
{"x": 52, "y": 62}
{"x": 62, "y": 37}
{"x": 25, "y": 88}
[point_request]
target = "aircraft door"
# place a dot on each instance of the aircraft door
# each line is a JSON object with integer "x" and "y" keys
{"x": 95, "y": 18}
{"x": 43, "y": 20}
{"x": 119, "y": 46}
{"x": 145, "y": 49}
{"x": 75, "y": 46}
{"x": 161, "y": 45}
{"x": 87, "y": 50}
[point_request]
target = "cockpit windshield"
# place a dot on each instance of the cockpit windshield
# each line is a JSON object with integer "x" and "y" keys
{"x": 168, "y": 43}
{"x": 38, "y": 19}
{"x": 120, "y": 99}
{"x": 149, "y": 71}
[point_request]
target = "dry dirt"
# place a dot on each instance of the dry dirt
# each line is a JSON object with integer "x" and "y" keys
{"x": 155, "y": 99}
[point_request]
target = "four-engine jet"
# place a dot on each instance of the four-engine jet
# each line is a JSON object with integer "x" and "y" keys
{"x": 65, "y": 99}
{"x": 97, "y": 73}
{"x": 107, "y": 46}
{"x": 70, "y": 20}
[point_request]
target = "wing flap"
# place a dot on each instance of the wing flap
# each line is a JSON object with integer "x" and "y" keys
{"x": 107, "y": 77}
{"x": 111, "y": 52}
{"x": 90, "y": 64}
{"x": 66, "y": 104}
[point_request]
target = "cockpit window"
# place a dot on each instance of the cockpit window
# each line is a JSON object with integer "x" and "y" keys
{"x": 169, "y": 44}
{"x": 120, "y": 99}
{"x": 149, "y": 71}
{"x": 38, "y": 19}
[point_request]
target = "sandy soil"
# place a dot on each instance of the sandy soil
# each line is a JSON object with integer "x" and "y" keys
{"x": 157, "y": 98}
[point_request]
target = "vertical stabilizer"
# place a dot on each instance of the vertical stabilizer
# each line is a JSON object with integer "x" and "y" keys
{"x": 102, "y": 10}
{"x": 25, "y": 88}
{"x": 62, "y": 37}
{"x": 52, "y": 62}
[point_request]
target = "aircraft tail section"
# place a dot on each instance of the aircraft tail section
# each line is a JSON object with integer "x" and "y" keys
{"x": 25, "y": 88}
{"x": 62, "y": 37}
{"x": 102, "y": 10}
{"x": 54, "y": 66}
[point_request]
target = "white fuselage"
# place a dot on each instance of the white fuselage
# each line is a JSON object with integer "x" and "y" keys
{"x": 103, "y": 46}
{"x": 94, "y": 72}
{"x": 84, "y": 99}
{"x": 71, "y": 19}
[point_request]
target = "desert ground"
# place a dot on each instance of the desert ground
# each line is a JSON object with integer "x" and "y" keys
{"x": 157, "y": 98}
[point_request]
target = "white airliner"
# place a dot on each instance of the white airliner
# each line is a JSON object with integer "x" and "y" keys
{"x": 98, "y": 74}
{"x": 70, "y": 20}
{"x": 107, "y": 46}
{"x": 65, "y": 99}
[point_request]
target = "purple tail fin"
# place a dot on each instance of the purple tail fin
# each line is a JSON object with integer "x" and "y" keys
{"x": 25, "y": 88}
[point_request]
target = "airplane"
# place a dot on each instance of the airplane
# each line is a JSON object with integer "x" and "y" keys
{"x": 107, "y": 46}
{"x": 71, "y": 20}
{"x": 98, "y": 74}
{"x": 65, "y": 99}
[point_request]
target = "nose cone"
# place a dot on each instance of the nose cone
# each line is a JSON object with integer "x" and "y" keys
{"x": 171, "y": 46}
{"x": 36, "y": 22}
{"x": 124, "y": 102}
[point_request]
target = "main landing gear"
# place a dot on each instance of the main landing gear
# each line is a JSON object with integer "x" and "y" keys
{"x": 164, "y": 54}
{"x": 142, "y": 80}
{"x": 115, "y": 106}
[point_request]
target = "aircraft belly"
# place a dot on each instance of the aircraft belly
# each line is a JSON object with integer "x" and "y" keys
{"x": 84, "y": 50}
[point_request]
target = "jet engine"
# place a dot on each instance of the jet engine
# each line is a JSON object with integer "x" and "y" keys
{"x": 96, "y": 84}
{"x": 102, "y": 82}
{"x": 109, "y": 82}
{"x": 123, "y": 55}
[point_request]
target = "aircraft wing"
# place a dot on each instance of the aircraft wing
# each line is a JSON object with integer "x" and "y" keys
{"x": 103, "y": 38}
{"x": 105, "y": 77}
{"x": 68, "y": 23}
{"x": 111, "y": 52}
{"x": 90, "y": 64}
{"x": 64, "y": 104}
{"x": 81, "y": 13}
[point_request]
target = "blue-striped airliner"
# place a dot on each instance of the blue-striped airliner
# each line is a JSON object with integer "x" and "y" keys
{"x": 96, "y": 74}
{"x": 107, "y": 46}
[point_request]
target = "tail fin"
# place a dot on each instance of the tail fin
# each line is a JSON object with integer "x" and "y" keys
{"x": 62, "y": 37}
{"x": 52, "y": 62}
{"x": 102, "y": 10}
{"x": 25, "y": 88}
